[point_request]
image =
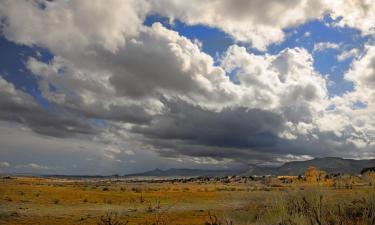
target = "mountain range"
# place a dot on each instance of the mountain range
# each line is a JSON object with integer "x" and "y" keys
{"x": 175, "y": 172}
{"x": 331, "y": 165}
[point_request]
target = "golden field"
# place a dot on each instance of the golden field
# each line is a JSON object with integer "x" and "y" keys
{"x": 27, "y": 200}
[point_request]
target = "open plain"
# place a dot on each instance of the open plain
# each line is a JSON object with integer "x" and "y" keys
{"x": 246, "y": 200}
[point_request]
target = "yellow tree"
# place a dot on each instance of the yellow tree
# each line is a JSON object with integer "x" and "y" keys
{"x": 314, "y": 175}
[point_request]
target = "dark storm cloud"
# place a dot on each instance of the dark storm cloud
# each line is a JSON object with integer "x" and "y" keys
{"x": 194, "y": 131}
{"x": 128, "y": 114}
{"x": 17, "y": 106}
{"x": 243, "y": 155}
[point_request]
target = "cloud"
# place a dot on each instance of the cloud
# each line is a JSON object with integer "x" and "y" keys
{"x": 189, "y": 89}
{"x": 351, "y": 118}
{"x": 261, "y": 23}
{"x": 239, "y": 127}
{"x": 21, "y": 108}
{"x": 66, "y": 26}
{"x": 4, "y": 164}
{"x": 33, "y": 166}
{"x": 358, "y": 14}
{"x": 322, "y": 46}
{"x": 362, "y": 72}
{"x": 187, "y": 72}
{"x": 258, "y": 22}
{"x": 286, "y": 83}
{"x": 85, "y": 92}
{"x": 122, "y": 92}
{"x": 128, "y": 85}
{"x": 290, "y": 157}
{"x": 352, "y": 53}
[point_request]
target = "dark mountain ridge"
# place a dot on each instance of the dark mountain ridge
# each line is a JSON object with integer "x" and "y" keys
{"x": 175, "y": 172}
{"x": 332, "y": 165}
{"x": 329, "y": 164}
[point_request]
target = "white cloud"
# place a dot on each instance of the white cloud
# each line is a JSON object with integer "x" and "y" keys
{"x": 262, "y": 22}
{"x": 33, "y": 166}
{"x": 67, "y": 26}
{"x": 352, "y": 117}
{"x": 307, "y": 34}
{"x": 154, "y": 89}
{"x": 362, "y": 72}
{"x": 4, "y": 164}
{"x": 358, "y": 14}
{"x": 286, "y": 83}
{"x": 322, "y": 46}
{"x": 290, "y": 157}
{"x": 352, "y": 53}
{"x": 256, "y": 21}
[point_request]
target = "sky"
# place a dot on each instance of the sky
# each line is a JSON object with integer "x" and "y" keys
{"x": 124, "y": 86}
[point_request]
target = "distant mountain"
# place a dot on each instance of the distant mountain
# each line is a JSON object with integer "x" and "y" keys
{"x": 328, "y": 164}
{"x": 173, "y": 172}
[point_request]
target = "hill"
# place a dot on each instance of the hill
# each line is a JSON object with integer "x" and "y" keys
{"x": 174, "y": 172}
{"x": 329, "y": 164}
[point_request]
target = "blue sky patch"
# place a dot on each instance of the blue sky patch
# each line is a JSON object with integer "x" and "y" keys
{"x": 13, "y": 60}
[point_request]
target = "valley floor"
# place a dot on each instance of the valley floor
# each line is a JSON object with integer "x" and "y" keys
{"x": 59, "y": 201}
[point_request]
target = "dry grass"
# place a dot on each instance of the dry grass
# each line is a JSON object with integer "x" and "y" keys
{"x": 317, "y": 206}
{"x": 56, "y": 201}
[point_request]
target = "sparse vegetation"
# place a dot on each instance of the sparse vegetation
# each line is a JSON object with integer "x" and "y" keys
{"x": 313, "y": 207}
{"x": 105, "y": 189}
{"x": 110, "y": 219}
{"x": 236, "y": 200}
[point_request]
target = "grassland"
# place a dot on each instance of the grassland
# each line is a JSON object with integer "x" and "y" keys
{"x": 32, "y": 201}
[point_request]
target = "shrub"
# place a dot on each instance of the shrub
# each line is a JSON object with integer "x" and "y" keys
{"x": 213, "y": 220}
{"x": 110, "y": 219}
{"x": 311, "y": 208}
{"x": 136, "y": 190}
{"x": 185, "y": 189}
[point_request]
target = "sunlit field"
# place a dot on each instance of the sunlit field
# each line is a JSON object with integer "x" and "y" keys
{"x": 196, "y": 201}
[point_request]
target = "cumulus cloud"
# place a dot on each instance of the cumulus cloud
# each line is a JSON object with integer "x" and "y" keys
{"x": 67, "y": 26}
{"x": 87, "y": 92}
{"x": 248, "y": 21}
{"x": 358, "y": 14}
{"x": 286, "y": 83}
{"x": 262, "y": 22}
{"x": 130, "y": 88}
{"x": 353, "y": 111}
{"x": 362, "y": 72}
{"x": 20, "y": 107}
